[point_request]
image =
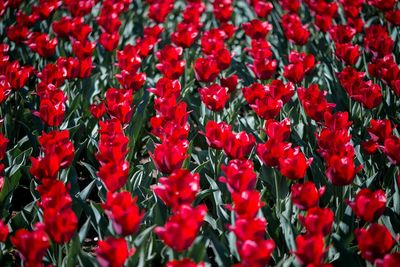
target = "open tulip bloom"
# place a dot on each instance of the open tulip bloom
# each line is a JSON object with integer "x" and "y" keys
{"x": 194, "y": 133}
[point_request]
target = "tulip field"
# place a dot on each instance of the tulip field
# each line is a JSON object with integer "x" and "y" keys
{"x": 199, "y": 133}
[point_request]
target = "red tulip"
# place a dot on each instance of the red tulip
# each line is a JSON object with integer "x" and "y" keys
{"x": 257, "y": 29}
{"x": 109, "y": 22}
{"x": 83, "y": 49}
{"x": 206, "y": 70}
{"x": 54, "y": 195}
{"x": 185, "y": 35}
{"x": 42, "y": 44}
{"x": 112, "y": 252}
{"x": 182, "y": 228}
{"x": 314, "y": 102}
{"x": 122, "y": 209}
{"x": 109, "y": 40}
{"x": 294, "y": 30}
{"x": 180, "y": 188}
{"x": 348, "y": 53}
{"x": 159, "y": 11}
{"x": 17, "y": 33}
{"x": 214, "y": 96}
{"x": 18, "y": 75}
{"x": 60, "y": 225}
{"x": 306, "y": 195}
{"x": 278, "y": 130}
{"x": 239, "y": 175}
{"x": 294, "y": 164}
{"x": 230, "y": 82}
{"x": 290, "y": 5}
{"x": 5, "y": 89}
{"x": 271, "y": 151}
{"x": 23, "y": 240}
{"x": 52, "y": 108}
{"x": 166, "y": 88}
{"x": 341, "y": 170}
{"x": 374, "y": 242}
{"x": 3, "y": 146}
{"x": 342, "y": 34}
{"x": 119, "y": 104}
{"x": 369, "y": 205}
{"x": 97, "y": 110}
{"x": 223, "y": 10}
{"x": 389, "y": 260}
{"x": 238, "y": 146}
{"x": 256, "y": 253}
{"x": 45, "y": 167}
{"x": 80, "y": 31}
{"x": 62, "y": 27}
{"x": 261, "y": 8}
{"x": 378, "y": 41}
{"x": 4, "y": 231}
{"x": 391, "y": 149}
{"x": 169, "y": 156}
{"x": 310, "y": 250}
{"x": 114, "y": 175}
{"x": 318, "y": 221}
{"x": 246, "y": 204}
{"x": 263, "y": 69}
{"x": 58, "y": 142}
{"x": 216, "y": 133}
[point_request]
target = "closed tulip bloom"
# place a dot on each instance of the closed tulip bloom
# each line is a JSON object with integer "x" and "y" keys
{"x": 294, "y": 164}
{"x": 109, "y": 40}
{"x": 256, "y": 253}
{"x": 310, "y": 249}
{"x": 122, "y": 209}
{"x": 369, "y": 205}
{"x": 341, "y": 170}
{"x": 60, "y": 225}
{"x": 206, "y": 70}
{"x": 239, "y": 175}
{"x": 178, "y": 189}
{"x": 306, "y": 195}
{"x": 114, "y": 175}
{"x": 318, "y": 221}
{"x": 239, "y": 145}
{"x": 112, "y": 252}
{"x": 58, "y": 142}
{"x": 23, "y": 240}
{"x": 374, "y": 242}
{"x": 4, "y": 231}
{"x": 246, "y": 204}
{"x": 257, "y": 29}
{"x": 169, "y": 155}
{"x": 182, "y": 228}
{"x": 389, "y": 260}
{"x": 214, "y": 97}
{"x": 391, "y": 149}
{"x": 216, "y": 133}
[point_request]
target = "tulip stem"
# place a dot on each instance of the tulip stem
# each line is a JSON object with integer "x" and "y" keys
{"x": 276, "y": 192}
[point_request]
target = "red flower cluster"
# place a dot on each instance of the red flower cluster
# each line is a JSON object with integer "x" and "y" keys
{"x": 253, "y": 248}
{"x": 113, "y": 148}
{"x": 268, "y": 100}
{"x": 335, "y": 147}
{"x": 278, "y": 153}
{"x": 23, "y": 240}
{"x": 60, "y": 221}
{"x": 299, "y": 65}
{"x": 369, "y": 205}
{"x": 365, "y": 92}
